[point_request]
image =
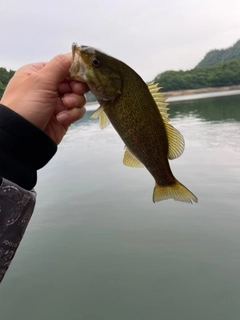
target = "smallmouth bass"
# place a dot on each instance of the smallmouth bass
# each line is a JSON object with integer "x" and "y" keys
{"x": 138, "y": 112}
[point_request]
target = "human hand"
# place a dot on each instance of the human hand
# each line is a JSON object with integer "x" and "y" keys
{"x": 43, "y": 94}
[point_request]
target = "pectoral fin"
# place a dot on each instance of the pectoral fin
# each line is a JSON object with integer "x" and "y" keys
{"x": 103, "y": 119}
{"x": 130, "y": 160}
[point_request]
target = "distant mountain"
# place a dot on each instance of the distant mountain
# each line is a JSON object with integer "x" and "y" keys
{"x": 223, "y": 55}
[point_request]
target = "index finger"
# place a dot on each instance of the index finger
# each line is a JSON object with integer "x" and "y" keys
{"x": 57, "y": 69}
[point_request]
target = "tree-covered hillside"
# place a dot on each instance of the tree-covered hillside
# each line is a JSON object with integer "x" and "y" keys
{"x": 5, "y": 76}
{"x": 218, "y": 68}
{"x": 219, "y": 75}
{"x": 215, "y": 56}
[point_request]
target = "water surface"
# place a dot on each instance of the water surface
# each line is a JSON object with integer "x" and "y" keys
{"x": 98, "y": 248}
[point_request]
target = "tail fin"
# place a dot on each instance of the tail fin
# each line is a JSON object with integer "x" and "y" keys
{"x": 176, "y": 191}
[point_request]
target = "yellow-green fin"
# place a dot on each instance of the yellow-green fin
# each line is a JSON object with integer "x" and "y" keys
{"x": 103, "y": 119}
{"x": 130, "y": 160}
{"x": 176, "y": 191}
{"x": 176, "y": 142}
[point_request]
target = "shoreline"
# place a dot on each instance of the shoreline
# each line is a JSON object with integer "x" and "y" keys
{"x": 201, "y": 90}
{"x": 192, "y": 94}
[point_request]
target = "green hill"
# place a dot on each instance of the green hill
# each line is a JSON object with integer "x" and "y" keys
{"x": 218, "y": 75}
{"x": 219, "y": 68}
{"x": 5, "y": 76}
{"x": 223, "y": 55}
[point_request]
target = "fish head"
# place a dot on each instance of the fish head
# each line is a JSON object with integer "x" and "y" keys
{"x": 98, "y": 70}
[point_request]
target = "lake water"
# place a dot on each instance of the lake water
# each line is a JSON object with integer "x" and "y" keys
{"x": 98, "y": 248}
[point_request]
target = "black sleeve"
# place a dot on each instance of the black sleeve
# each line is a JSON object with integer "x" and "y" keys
{"x": 23, "y": 149}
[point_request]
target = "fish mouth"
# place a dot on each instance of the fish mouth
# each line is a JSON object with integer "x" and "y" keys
{"x": 78, "y": 67}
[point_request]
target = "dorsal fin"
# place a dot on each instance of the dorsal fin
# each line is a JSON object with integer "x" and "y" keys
{"x": 103, "y": 119}
{"x": 175, "y": 139}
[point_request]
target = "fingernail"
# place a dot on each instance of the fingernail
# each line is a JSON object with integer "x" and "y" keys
{"x": 62, "y": 118}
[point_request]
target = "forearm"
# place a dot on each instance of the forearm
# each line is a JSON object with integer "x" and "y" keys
{"x": 16, "y": 206}
{"x": 23, "y": 150}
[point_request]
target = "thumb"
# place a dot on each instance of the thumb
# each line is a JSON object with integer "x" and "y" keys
{"x": 57, "y": 69}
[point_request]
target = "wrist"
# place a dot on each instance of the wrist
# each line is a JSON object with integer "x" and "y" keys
{"x": 24, "y": 148}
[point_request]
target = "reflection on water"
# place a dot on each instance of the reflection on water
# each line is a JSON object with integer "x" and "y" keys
{"x": 211, "y": 109}
{"x": 222, "y": 117}
{"x": 98, "y": 248}
{"x": 221, "y": 114}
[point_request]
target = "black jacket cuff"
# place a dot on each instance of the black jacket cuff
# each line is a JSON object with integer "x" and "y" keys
{"x": 24, "y": 148}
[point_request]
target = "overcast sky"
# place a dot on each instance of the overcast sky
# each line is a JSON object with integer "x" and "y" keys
{"x": 151, "y": 36}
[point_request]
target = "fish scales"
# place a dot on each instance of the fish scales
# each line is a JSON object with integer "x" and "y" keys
{"x": 138, "y": 112}
{"x": 135, "y": 130}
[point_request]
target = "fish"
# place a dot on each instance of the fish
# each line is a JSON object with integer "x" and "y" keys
{"x": 138, "y": 112}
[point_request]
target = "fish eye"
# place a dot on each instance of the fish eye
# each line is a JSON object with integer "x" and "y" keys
{"x": 95, "y": 62}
